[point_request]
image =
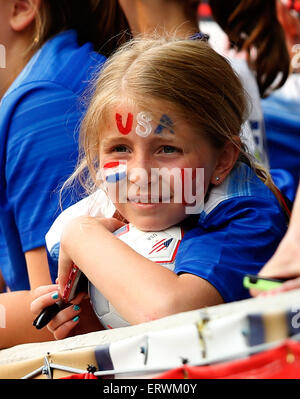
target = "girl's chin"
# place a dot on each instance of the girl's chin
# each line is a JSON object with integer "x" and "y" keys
{"x": 152, "y": 225}
{"x": 153, "y": 219}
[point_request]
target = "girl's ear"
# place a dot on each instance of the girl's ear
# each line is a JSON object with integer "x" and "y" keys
{"x": 226, "y": 160}
{"x": 23, "y": 13}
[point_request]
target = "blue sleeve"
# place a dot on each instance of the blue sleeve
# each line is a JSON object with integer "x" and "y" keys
{"x": 238, "y": 237}
{"x": 41, "y": 154}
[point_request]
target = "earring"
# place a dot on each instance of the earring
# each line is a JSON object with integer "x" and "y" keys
{"x": 217, "y": 178}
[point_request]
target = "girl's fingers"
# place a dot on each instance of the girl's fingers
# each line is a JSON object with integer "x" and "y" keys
{"x": 64, "y": 317}
{"x": 289, "y": 285}
{"x": 44, "y": 289}
{"x": 40, "y": 303}
{"x": 286, "y": 286}
{"x": 62, "y": 324}
{"x": 64, "y": 330}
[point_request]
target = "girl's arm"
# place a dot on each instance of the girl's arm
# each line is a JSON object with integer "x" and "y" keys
{"x": 16, "y": 320}
{"x": 141, "y": 290}
{"x": 37, "y": 267}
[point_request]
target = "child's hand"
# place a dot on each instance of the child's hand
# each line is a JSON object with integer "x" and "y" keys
{"x": 64, "y": 322}
{"x": 70, "y": 242}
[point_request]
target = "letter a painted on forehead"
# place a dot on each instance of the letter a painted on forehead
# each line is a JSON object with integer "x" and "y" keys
{"x": 127, "y": 128}
{"x": 164, "y": 123}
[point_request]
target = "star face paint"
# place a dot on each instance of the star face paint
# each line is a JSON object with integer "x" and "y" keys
{"x": 129, "y": 122}
{"x": 115, "y": 171}
{"x": 165, "y": 123}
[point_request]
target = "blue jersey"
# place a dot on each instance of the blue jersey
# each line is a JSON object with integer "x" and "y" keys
{"x": 237, "y": 233}
{"x": 40, "y": 116}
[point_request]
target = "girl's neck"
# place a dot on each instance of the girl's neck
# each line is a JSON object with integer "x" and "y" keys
{"x": 16, "y": 57}
{"x": 161, "y": 17}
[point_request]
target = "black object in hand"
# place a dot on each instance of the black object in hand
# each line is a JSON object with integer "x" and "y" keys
{"x": 46, "y": 315}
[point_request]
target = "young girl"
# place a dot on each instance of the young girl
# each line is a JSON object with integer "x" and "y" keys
{"x": 52, "y": 49}
{"x": 169, "y": 105}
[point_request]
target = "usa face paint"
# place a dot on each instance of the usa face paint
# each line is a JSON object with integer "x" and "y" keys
{"x": 143, "y": 127}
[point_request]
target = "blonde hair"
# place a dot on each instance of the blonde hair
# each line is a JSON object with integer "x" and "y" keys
{"x": 188, "y": 75}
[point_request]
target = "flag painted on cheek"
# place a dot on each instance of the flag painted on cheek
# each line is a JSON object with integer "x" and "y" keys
{"x": 115, "y": 171}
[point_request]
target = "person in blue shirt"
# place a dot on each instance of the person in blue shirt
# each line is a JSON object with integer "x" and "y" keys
{"x": 53, "y": 49}
{"x": 282, "y": 108}
{"x": 285, "y": 263}
{"x": 162, "y": 138}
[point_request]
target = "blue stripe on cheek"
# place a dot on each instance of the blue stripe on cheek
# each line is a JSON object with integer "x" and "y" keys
{"x": 116, "y": 177}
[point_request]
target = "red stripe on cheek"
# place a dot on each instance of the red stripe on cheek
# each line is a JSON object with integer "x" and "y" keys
{"x": 124, "y": 129}
{"x": 111, "y": 164}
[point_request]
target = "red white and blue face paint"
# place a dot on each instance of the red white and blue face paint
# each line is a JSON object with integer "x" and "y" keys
{"x": 143, "y": 124}
{"x": 115, "y": 171}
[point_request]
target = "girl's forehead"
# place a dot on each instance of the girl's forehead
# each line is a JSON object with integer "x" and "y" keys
{"x": 152, "y": 107}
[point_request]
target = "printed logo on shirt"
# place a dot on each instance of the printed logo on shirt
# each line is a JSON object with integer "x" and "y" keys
{"x": 160, "y": 246}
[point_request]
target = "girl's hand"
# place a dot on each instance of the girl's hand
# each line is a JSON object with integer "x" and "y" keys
{"x": 65, "y": 321}
{"x": 70, "y": 242}
{"x": 284, "y": 287}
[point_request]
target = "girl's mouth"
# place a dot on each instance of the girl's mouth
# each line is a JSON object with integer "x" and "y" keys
{"x": 149, "y": 200}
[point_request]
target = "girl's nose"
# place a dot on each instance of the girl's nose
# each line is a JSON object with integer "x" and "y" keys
{"x": 139, "y": 170}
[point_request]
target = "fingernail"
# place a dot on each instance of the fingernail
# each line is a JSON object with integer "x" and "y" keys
{"x": 55, "y": 295}
{"x": 75, "y": 319}
{"x": 76, "y": 308}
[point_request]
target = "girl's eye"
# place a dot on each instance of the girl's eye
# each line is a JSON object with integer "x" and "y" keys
{"x": 168, "y": 149}
{"x": 120, "y": 148}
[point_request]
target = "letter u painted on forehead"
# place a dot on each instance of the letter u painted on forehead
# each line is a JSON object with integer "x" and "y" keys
{"x": 129, "y": 122}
